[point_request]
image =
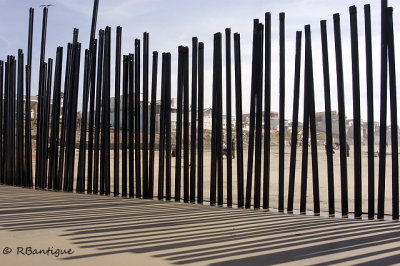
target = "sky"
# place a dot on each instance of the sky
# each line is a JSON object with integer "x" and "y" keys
{"x": 171, "y": 23}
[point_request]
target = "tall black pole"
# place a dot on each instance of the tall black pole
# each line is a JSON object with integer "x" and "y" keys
{"x": 370, "y": 113}
{"x": 162, "y": 131}
{"x": 228, "y": 117}
{"x": 342, "y": 115}
{"x": 193, "y": 122}
{"x": 239, "y": 134}
{"x": 20, "y": 121}
{"x": 137, "y": 120}
{"x": 186, "y": 125}
{"x": 267, "y": 111}
{"x": 131, "y": 124}
{"x": 168, "y": 127}
{"x": 393, "y": 115}
{"x": 383, "y": 113}
{"x": 125, "y": 126}
{"x": 356, "y": 113}
{"x": 178, "y": 142}
{"x": 281, "y": 110}
{"x": 328, "y": 119}
{"x": 152, "y": 124}
{"x": 117, "y": 108}
{"x": 145, "y": 114}
{"x": 295, "y": 116}
{"x": 200, "y": 124}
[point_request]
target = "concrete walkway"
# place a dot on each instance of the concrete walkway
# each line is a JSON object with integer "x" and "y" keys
{"x": 99, "y": 230}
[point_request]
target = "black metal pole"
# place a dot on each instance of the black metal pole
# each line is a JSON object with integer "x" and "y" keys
{"x": 55, "y": 123}
{"x": 125, "y": 126}
{"x": 62, "y": 181}
{"x": 219, "y": 142}
{"x": 97, "y": 113}
{"x": 393, "y": 115}
{"x": 281, "y": 110}
{"x": 370, "y": 113}
{"x": 145, "y": 114}
{"x": 295, "y": 116}
{"x": 313, "y": 130}
{"x": 328, "y": 119}
{"x": 342, "y": 115}
{"x": 28, "y": 139}
{"x": 46, "y": 121}
{"x": 267, "y": 111}
{"x": 228, "y": 117}
{"x": 356, "y": 114}
{"x": 168, "y": 127}
{"x": 92, "y": 87}
{"x": 117, "y": 108}
{"x": 94, "y": 20}
{"x": 192, "y": 192}
{"x": 383, "y": 113}
{"x": 186, "y": 125}
{"x": 131, "y": 124}
{"x": 80, "y": 181}
{"x": 137, "y": 120}
{"x": 178, "y": 142}
{"x": 152, "y": 124}
{"x": 239, "y": 134}
{"x": 213, "y": 175}
{"x": 253, "y": 96}
{"x": 200, "y": 123}
{"x": 20, "y": 121}
{"x": 162, "y": 130}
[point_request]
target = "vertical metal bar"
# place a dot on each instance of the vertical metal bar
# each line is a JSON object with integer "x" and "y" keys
{"x": 145, "y": 162}
{"x": 125, "y": 126}
{"x": 342, "y": 115}
{"x": 178, "y": 142}
{"x": 267, "y": 111}
{"x": 213, "y": 175}
{"x": 97, "y": 114}
{"x": 356, "y": 113}
{"x": 168, "y": 128}
{"x": 370, "y": 113}
{"x": 200, "y": 123}
{"x": 393, "y": 116}
{"x": 55, "y": 123}
{"x": 258, "y": 84}
{"x": 253, "y": 96}
{"x": 61, "y": 181}
{"x": 229, "y": 152}
{"x": 11, "y": 114}
{"x": 383, "y": 113}
{"x": 162, "y": 131}
{"x": 28, "y": 139}
{"x": 94, "y": 20}
{"x": 152, "y": 124}
{"x": 281, "y": 110}
{"x": 20, "y": 121}
{"x": 186, "y": 125}
{"x": 80, "y": 182}
{"x": 137, "y": 120}
{"x": 193, "y": 122}
{"x": 220, "y": 175}
{"x": 105, "y": 134}
{"x": 239, "y": 134}
{"x": 6, "y": 124}
{"x": 295, "y": 118}
{"x": 328, "y": 119}
{"x": 46, "y": 120}
{"x": 131, "y": 103}
{"x": 313, "y": 130}
{"x": 117, "y": 109}
{"x": 92, "y": 88}
{"x": 306, "y": 131}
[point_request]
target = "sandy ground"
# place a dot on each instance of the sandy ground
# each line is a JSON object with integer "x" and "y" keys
{"x": 323, "y": 180}
{"x": 99, "y": 230}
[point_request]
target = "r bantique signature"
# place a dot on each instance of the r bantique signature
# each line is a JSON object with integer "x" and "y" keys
{"x": 31, "y": 251}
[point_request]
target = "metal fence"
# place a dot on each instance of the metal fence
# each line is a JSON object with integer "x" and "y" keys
{"x": 55, "y": 160}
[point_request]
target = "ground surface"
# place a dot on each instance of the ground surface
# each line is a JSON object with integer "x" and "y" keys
{"x": 102, "y": 230}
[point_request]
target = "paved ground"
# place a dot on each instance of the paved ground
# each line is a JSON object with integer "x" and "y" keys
{"x": 102, "y": 230}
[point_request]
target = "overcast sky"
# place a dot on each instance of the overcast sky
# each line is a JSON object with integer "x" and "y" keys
{"x": 174, "y": 22}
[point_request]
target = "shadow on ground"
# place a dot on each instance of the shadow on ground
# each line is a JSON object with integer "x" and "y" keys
{"x": 186, "y": 233}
